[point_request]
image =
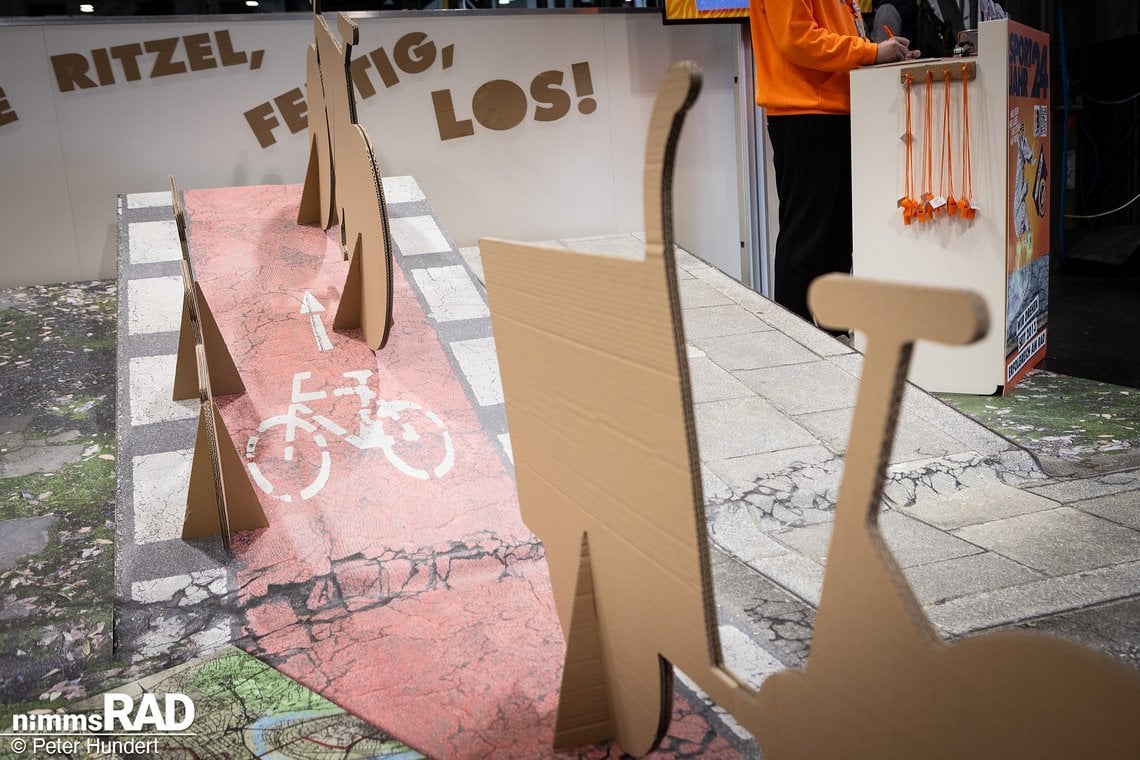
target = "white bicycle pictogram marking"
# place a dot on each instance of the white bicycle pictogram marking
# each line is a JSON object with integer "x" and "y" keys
{"x": 418, "y": 445}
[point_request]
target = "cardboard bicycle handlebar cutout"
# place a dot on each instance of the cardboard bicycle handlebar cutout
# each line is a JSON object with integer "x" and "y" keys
{"x": 343, "y": 182}
{"x": 220, "y": 498}
{"x": 595, "y": 376}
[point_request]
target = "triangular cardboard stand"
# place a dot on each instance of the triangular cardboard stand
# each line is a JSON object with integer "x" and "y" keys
{"x": 351, "y": 304}
{"x": 585, "y": 682}
{"x": 186, "y": 364}
{"x": 595, "y": 378}
{"x": 225, "y": 380}
{"x": 220, "y": 498}
{"x": 224, "y": 376}
{"x": 241, "y": 504}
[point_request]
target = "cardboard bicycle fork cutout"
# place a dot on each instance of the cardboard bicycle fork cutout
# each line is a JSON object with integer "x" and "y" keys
{"x": 595, "y": 377}
{"x": 220, "y": 498}
{"x": 343, "y": 182}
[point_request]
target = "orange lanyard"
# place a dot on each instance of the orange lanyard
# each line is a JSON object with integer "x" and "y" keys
{"x": 966, "y": 201}
{"x": 925, "y": 212}
{"x": 946, "y": 181}
{"x": 907, "y": 202}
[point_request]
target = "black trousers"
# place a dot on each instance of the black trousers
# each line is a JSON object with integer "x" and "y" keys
{"x": 812, "y": 157}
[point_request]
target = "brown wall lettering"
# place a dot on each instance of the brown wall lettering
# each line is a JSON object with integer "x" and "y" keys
{"x": 102, "y": 66}
{"x": 502, "y": 104}
{"x": 164, "y": 64}
{"x": 262, "y": 118}
{"x": 71, "y": 71}
{"x": 499, "y": 104}
{"x": 293, "y": 107}
{"x": 414, "y": 53}
{"x": 128, "y": 58}
{"x": 198, "y": 52}
{"x": 7, "y": 115}
{"x": 554, "y": 102}
{"x": 449, "y": 126}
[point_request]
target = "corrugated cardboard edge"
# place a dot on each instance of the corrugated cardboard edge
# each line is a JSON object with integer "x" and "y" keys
{"x": 359, "y": 193}
{"x": 220, "y": 498}
{"x": 198, "y": 326}
{"x": 879, "y": 683}
{"x": 585, "y": 304}
{"x": 318, "y": 195}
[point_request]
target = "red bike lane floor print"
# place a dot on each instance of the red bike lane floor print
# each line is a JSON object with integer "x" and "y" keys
{"x": 396, "y": 577}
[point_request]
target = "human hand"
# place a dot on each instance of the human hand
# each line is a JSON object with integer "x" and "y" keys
{"x": 895, "y": 49}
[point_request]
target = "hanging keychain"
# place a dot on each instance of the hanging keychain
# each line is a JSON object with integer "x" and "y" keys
{"x": 945, "y": 200}
{"x": 907, "y": 202}
{"x": 966, "y": 207}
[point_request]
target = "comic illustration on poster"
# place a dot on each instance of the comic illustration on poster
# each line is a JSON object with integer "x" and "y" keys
{"x": 1027, "y": 162}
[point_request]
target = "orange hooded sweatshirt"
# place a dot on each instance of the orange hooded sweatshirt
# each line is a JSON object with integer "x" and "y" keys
{"x": 804, "y": 50}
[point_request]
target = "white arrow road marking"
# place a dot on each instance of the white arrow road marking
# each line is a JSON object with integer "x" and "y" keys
{"x": 312, "y": 307}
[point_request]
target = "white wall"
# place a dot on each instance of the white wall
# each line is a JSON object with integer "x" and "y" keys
{"x": 947, "y": 253}
{"x": 70, "y": 153}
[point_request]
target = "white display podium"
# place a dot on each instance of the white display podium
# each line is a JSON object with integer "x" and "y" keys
{"x": 1003, "y": 253}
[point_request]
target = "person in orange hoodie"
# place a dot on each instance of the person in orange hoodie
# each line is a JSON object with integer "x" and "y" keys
{"x": 803, "y": 52}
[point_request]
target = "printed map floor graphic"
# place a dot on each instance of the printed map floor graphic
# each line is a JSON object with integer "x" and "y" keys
{"x": 246, "y": 709}
{"x": 396, "y": 578}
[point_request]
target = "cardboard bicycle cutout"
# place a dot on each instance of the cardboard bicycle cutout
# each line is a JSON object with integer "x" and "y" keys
{"x": 343, "y": 182}
{"x": 596, "y": 382}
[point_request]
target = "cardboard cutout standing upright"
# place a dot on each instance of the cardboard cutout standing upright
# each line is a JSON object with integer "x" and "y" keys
{"x": 595, "y": 377}
{"x": 318, "y": 202}
{"x": 347, "y": 185}
{"x": 198, "y": 327}
{"x": 596, "y": 381}
{"x": 220, "y": 498}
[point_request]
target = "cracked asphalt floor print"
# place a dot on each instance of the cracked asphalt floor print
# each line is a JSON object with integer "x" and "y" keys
{"x": 396, "y": 577}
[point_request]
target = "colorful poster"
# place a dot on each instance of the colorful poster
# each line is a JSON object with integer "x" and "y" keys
{"x": 705, "y": 10}
{"x": 1027, "y": 207}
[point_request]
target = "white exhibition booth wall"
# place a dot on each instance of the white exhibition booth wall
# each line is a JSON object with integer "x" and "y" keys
{"x": 107, "y": 108}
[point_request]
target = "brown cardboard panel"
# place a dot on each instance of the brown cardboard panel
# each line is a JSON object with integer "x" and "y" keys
{"x": 348, "y": 312}
{"x": 220, "y": 498}
{"x": 224, "y": 376}
{"x": 359, "y": 192}
{"x": 198, "y": 328}
{"x": 206, "y": 497}
{"x": 879, "y": 682}
{"x": 595, "y": 377}
{"x": 186, "y": 363}
{"x": 179, "y": 221}
{"x": 318, "y": 203}
{"x": 585, "y": 683}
